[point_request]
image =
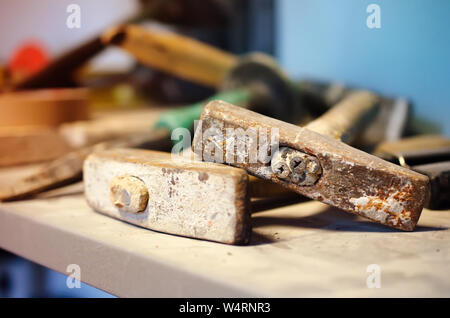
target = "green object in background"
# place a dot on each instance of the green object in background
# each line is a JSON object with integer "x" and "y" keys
{"x": 184, "y": 117}
{"x": 423, "y": 126}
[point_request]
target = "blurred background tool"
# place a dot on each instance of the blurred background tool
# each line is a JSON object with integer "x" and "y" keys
{"x": 68, "y": 168}
{"x": 392, "y": 119}
{"x": 29, "y": 123}
{"x": 209, "y": 20}
{"x": 60, "y": 71}
{"x": 176, "y": 54}
{"x": 428, "y": 155}
{"x": 254, "y": 80}
{"x": 320, "y": 167}
{"x": 348, "y": 117}
{"x": 24, "y": 145}
{"x": 111, "y": 126}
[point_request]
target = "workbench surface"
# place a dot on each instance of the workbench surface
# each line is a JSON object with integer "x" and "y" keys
{"x": 302, "y": 250}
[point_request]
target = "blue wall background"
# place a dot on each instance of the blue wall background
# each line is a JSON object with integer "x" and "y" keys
{"x": 409, "y": 56}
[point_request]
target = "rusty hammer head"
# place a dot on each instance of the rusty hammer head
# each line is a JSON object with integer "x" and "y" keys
{"x": 346, "y": 178}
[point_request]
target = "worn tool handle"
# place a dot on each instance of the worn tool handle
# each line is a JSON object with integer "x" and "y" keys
{"x": 344, "y": 120}
{"x": 173, "y": 53}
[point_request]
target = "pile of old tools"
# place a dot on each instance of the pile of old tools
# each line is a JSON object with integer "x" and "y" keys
{"x": 284, "y": 138}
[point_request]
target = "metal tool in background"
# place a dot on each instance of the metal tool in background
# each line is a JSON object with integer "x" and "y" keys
{"x": 314, "y": 161}
{"x": 254, "y": 80}
{"x": 428, "y": 155}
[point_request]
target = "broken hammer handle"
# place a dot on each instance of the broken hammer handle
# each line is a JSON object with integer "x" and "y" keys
{"x": 173, "y": 53}
{"x": 344, "y": 120}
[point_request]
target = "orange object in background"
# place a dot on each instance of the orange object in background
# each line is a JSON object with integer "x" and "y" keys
{"x": 44, "y": 107}
{"x": 2, "y": 76}
{"x": 27, "y": 60}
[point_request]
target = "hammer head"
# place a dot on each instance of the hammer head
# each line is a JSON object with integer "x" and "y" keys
{"x": 347, "y": 178}
{"x": 201, "y": 200}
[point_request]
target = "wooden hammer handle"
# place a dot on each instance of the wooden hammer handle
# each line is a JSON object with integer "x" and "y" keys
{"x": 176, "y": 54}
{"x": 343, "y": 121}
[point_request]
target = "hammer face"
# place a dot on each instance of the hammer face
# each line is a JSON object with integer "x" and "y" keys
{"x": 350, "y": 179}
{"x": 200, "y": 200}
